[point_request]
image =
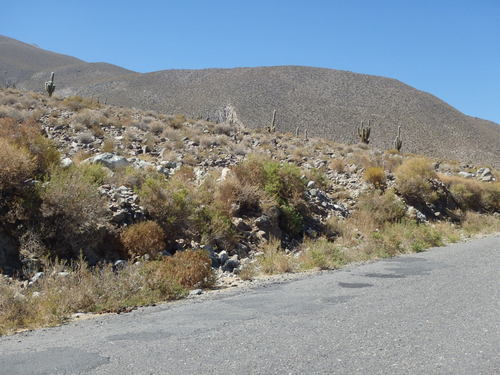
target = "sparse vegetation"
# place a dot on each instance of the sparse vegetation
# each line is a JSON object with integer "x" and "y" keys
{"x": 143, "y": 238}
{"x": 181, "y": 184}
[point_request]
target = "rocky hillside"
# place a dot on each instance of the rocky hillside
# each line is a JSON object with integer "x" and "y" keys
{"x": 322, "y": 102}
{"x": 75, "y": 174}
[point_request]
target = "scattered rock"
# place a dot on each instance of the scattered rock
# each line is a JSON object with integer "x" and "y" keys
{"x": 109, "y": 160}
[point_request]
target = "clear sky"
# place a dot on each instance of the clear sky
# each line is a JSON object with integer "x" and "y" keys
{"x": 450, "y": 48}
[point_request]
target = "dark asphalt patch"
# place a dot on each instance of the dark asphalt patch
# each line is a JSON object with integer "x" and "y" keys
{"x": 355, "y": 285}
{"x": 55, "y": 361}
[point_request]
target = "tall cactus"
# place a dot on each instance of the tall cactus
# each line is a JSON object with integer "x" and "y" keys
{"x": 398, "y": 142}
{"x": 272, "y": 127}
{"x": 49, "y": 85}
{"x": 364, "y": 132}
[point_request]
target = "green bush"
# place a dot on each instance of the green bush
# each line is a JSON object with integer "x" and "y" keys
{"x": 321, "y": 254}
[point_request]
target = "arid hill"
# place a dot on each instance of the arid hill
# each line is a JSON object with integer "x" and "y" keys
{"x": 325, "y": 102}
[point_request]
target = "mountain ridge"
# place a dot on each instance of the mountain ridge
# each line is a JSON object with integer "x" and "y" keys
{"x": 324, "y": 102}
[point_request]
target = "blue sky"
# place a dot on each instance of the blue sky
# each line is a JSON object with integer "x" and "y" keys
{"x": 448, "y": 48}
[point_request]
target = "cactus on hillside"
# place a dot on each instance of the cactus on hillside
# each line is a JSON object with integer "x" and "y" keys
{"x": 364, "y": 132}
{"x": 49, "y": 85}
{"x": 272, "y": 127}
{"x": 398, "y": 142}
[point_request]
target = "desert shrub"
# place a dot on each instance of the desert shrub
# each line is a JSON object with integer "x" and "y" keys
{"x": 474, "y": 195}
{"x": 89, "y": 118}
{"x": 214, "y": 227}
{"x": 283, "y": 181}
{"x": 28, "y": 135}
{"x": 412, "y": 179}
{"x": 169, "y": 203}
{"x": 274, "y": 260}
{"x": 223, "y": 129}
{"x": 156, "y": 127}
{"x": 248, "y": 271}
{"x": 405, "y": 237}
{"x": 381, "y": 207}
{"x": 108, "y": 145}
{"x": 177, "y": 121}
{"x": 475, "y": 223}
{"x": 73, "y": 212}
{"x": 133, "y": 177}
{"x": 16, "y": 166}
{"x": 291, "y": 220}
{"x": 375, "y": 176}
{"x": 142, "y": 238}
{"x": 96, "y": 174}
{"x": 321, "y": 253}
{"x": 85, "y": 138}
{"x": 280, "y": 182}
{"x": 318, "y": 176}
{"x": 233, "y": 197}
{"x": 337, "y": 165}
{"x": 76, "y": 103}
{"x": 191, "y": 268}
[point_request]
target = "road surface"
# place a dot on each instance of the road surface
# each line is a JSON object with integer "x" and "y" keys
{"x": 430, "y": 313}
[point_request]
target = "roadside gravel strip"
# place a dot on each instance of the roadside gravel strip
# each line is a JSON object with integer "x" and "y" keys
{"x": 436, "y": 312}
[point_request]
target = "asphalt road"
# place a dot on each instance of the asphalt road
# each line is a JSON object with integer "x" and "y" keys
{"x": 431, "y": 313}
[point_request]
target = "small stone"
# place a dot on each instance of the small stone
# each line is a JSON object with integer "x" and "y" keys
{"x": 311, "y": 184}
{"x": 37, "y": 276}
{"x": 223, "y": 257}
{"x": 241, "y": 225}
{"x": 66, "y": 163}
{"x": 119, "y": 264}
{"x": 231, "y": 264}
{"x": 195, "y": 292}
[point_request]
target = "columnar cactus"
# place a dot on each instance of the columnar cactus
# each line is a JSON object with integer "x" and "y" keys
{"x": 398, "y": 142}
{"x": 272, "y": 126}
{"x": 49, "y": 85}
{"x": 364, "y": 132}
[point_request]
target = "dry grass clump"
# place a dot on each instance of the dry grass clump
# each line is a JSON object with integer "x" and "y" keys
{"x": 189, "y": 268}
{"x": 380, "y": 208}
{"x": 108, "y": 145}
{"x": 16, "y": 166}
{"x": 143, "y": 238}
{"x": 474, "y": 195}
{"x": 69, "y": 288}
{"x": 27, "y": 136}
{"x": 274, "y": 260}
{"x": 403, "y": 237}
{"x": 413, "y": 179}
{"x": 76, "y": 103}
{"x": 321, "y": 253}
{"x": 475, "y": 223}
{"x": 375, "y": 176}
{"x": 248, "y": 271}
{"x": 338, "y": 165}
{"x": 177, "y": 121}
{"x": 89, "y": 118}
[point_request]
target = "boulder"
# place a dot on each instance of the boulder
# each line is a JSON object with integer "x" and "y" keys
{"x": 109, "y": 160}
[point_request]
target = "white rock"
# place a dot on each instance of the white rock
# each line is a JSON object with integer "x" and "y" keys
{"x": 66, "y": 163}
{"x": 109, "y": 160}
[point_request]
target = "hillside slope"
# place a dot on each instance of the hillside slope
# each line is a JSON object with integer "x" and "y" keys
{"x": 325, "y": 102}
